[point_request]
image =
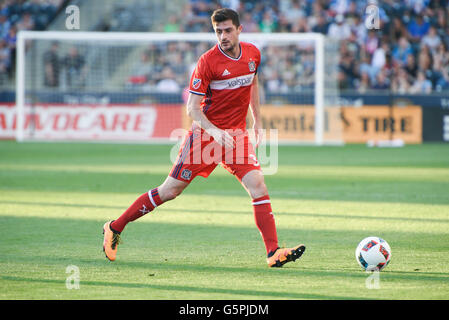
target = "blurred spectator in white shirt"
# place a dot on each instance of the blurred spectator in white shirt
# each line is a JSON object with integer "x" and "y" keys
{"x": 231, "y": 4}
{"x": 26, "y": 23}
{"x": 339, "y": 30}
{"x": 421, "y": 84}
{"x": 168, "y": 84}
{"x": 431, "y": 39}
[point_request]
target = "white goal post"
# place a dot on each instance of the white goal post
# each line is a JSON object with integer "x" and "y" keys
{"x": 109, "y": 55}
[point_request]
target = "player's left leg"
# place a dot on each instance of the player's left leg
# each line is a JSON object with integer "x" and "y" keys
{"x": 144, "y": 204}
{"x": 182, "y": 173}
{"x": 147, "y": 202}
{"x": 254, "y": 183}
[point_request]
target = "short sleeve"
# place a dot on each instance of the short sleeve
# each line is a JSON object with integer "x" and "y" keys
{"x": 201, "y": 78}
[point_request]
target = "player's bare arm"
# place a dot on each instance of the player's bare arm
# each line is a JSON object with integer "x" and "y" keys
{"x": 255, "y": 109}
{"x": 197, "y": 115}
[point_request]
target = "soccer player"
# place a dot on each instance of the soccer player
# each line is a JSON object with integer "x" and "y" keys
{"x": 222, "y": 87}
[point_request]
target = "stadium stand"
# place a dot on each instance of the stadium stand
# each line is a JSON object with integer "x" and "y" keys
{"x": 99, "y": 15}
{"x": 407, "y": 54}
{"x": 21, "y": 15}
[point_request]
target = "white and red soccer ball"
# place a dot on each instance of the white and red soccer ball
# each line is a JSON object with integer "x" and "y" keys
{"x": 373, "y": 253}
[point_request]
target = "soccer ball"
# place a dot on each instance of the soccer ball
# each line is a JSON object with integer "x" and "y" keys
{"x": 373, "y": 254}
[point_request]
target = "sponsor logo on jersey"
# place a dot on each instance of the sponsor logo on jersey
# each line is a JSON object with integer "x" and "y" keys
{"x": 196, "y": 83}
{"x": 252, "y": 66}
{"x": 233, "y": 83}
{"x": 239, "y": 82}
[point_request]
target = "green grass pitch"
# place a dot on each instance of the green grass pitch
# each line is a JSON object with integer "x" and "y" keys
{"x": 55, "y": 198}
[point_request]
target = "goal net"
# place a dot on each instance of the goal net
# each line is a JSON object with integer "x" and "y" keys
{"x": 92, "y": 86}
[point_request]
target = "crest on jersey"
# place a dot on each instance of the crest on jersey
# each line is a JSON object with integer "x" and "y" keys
{"x": 252, "y": 66}
{"x": 186, "y": 174}
{"x": 196, "y": 83}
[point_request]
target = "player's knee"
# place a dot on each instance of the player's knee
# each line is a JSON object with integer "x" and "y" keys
{"x": 171, "y": 188}
{"x": 254, "y": 182}
{"x": 258, "y": 189}
{"x": 172, "y": 193}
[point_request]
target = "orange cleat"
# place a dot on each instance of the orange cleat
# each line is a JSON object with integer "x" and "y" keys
{"x": 283, "y": 255}
{"x": 110, "y": 242}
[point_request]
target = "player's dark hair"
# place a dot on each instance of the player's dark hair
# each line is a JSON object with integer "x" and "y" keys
{"x": 224, "y": 14}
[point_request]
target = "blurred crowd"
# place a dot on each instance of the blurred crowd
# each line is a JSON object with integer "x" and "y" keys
{"x": 406, "y": 51}
{"x": 16, "y": 15}
{"x": 166, "y": 67}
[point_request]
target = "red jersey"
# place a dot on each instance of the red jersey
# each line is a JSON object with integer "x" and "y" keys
{"x": 225, "y": 82}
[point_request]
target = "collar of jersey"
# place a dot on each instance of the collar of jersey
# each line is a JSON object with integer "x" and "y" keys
{"x": 228, "y": 56}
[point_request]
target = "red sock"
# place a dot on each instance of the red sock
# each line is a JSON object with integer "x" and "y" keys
{"x": 265, "y": 222}
{"x": 144, "y": 204}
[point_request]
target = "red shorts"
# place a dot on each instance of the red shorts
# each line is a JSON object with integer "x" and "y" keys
{"x": 199, "y": 154}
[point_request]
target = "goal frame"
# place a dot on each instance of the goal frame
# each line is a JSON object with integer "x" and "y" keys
{"x": 24, "y": 36}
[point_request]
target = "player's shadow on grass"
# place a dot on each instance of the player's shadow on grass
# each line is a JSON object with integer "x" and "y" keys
{"x": 55, "y": 239}
{"x": 188, "y": 289}
{"x": 289, "y": 271}
{"x": 186, "y": 210}
{"x": 318, "y": 188}
{"x": 62, "y": 204}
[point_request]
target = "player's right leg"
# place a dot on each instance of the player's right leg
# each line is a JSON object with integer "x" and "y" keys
{"x": 254, "y": 183}
{"x": 184, "y": 170}
{"x": 146, "y": 203}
